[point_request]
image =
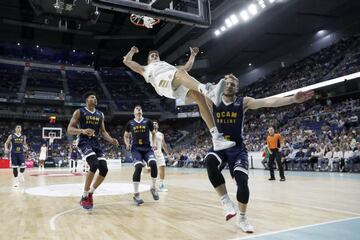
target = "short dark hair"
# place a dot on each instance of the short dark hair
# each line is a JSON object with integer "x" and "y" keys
{"x": 87, "y": 94}
{"x": 153, "y": 51}
{"x": 138, "y": 105}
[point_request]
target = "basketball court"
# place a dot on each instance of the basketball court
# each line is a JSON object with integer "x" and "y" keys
{"x": 307, "y": 206}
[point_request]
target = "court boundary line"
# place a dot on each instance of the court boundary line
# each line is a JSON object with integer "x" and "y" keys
{"x": 295, "y": 228}
{"x": 54, "y": 218}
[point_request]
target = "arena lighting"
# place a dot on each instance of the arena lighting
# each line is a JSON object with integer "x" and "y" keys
{"x": 228, "y": 23}
{"x": 261, "y": 3}
{"x": 223, "y": 28}
{"x": 18, "y": 44}
{"x": 92, "y": 53}
{"x": 253, "y": 9}
{"x": 320, "y": 85}
{"x": 250, "y": 64}
{"x": 217, "y": 32}
{"x": 37, "y": 46}
{"x": 74, "y": 50}
{"x": 234, "y": 19}
{"x": 244, "y": 15}
{"x": 271, "y": 1}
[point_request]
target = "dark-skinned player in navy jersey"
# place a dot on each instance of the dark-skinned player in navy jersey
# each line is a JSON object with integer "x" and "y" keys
{"x": 88, "y": 122}
{"x": 18, "y": 144}
{"x": 139, "y": 130}
{"x": 229, "y": 119}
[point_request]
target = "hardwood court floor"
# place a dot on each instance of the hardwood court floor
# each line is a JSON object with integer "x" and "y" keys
{"x": 190, "y": 210}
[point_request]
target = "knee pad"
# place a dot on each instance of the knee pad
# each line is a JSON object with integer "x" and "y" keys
{"x": 103, "y": 169}
{"x": 137, "y": 172}
{"x": 93, "y": 163}
{"x": 153, "y": 169}
{"x": 214, "y": 173}
{"x": 243, "y": 193}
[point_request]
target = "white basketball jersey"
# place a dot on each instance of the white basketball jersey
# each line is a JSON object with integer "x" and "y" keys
{"x": 160, "y": 75}
{"x": 43, "y": 150}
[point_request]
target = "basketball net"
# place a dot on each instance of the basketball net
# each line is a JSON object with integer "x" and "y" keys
{"x": 143, "y": 21}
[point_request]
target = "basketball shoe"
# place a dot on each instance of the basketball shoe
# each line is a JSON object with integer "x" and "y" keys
{"x": 243, "y": 224}
{"x": 138, "y": 201}
{"x": 85, "y": 203}
{"x": 220, "y": 143}
{"x": 154, "y": 193}
{"x": 229, "y": 209}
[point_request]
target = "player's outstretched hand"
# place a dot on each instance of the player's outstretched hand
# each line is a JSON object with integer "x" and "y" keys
{"x": 135, "y": 49}
{"x": 194, "y": 51}
{"x": 115, "y": 142}
{"x": 303, "y": 96}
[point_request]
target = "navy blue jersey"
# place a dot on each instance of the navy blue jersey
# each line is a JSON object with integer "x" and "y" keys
{"x": 17, "y": 143}
{"x": 92, "y": 120}
{"x": 140, "y": 132}
{"x": 229, "y": 119}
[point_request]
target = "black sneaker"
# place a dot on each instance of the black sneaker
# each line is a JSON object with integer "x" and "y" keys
{"x": 282, "y": 180}
{"x": 271, "y": 179}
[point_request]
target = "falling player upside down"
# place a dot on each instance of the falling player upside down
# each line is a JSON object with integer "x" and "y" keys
{"x": 174, "y": 82}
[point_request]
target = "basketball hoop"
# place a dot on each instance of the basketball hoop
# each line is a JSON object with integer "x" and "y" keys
{"x": 143, "y": 21}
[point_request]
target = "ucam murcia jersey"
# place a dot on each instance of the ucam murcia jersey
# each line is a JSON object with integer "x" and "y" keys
{"x": 160, "y": 75}
{"x": 140, "y": 132}
{"x": 17, "y": 143}
{"x": 92, "y": 120}
{"x": 227, "y": 119}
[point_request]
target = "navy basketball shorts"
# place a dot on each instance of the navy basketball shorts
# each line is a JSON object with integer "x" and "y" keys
{"x": 236, "y": 158}
{"x": 142, "y": 156}
{"x": 17, "y": 160}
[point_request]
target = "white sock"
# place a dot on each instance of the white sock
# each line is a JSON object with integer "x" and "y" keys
{"x": 214, "y": 132}
{"x": 161, "y": 181}
{"x": 242, "y": 215}
{"x": 85, "y": 193}
{"x": 224, "y": 198}
{"x": 153, "y": 182}
{"x": 16, "y": 179}
{"x": 92, "y": 189}
{"x": 136, "y": 187}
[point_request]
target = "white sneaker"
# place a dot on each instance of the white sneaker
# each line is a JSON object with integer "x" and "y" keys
{"x": 220, "y": 143}
{"x": 229, "y": 209}
{"x": 162, "y": 188}
{"x": 243, "y": 224}
{"x": 214, "y": 92}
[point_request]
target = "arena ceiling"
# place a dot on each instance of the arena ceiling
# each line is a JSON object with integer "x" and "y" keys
{"x": 284, "y": 24}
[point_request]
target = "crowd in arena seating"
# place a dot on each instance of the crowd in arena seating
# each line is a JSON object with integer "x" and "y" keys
{"x": 320, "y": 66}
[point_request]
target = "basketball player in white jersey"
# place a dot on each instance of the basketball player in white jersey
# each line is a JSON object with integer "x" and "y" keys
{"x": 174, "y": 82}
{"x": 160, "y": 159}
{"x": 42, "y": 157}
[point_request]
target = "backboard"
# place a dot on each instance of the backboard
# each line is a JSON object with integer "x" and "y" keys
{"x": 190, "y": 12}
{"x": 54, "y": 132}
